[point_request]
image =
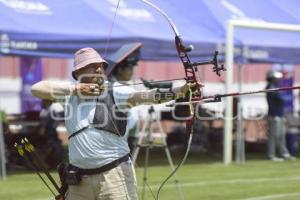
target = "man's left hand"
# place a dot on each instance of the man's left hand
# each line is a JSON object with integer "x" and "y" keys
{"x": 195, "y": 86}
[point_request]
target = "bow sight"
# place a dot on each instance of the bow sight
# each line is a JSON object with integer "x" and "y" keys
{"x": 191, "y": 67}
{"x": 215, "y": 62}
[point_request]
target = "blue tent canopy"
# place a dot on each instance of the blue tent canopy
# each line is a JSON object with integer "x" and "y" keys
{"x": 58, "y": 28}
{"x": 262, "y": 45}
{"x": 254, "y": 45}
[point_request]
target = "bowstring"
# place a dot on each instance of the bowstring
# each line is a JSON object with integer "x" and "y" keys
{"x": 105, "y": 52}
{"x": 135, "y": 163}
{"x": 191, "y": 134}
{"x": 111, "y": 28}
{"x": 200, "y": 79}
{"x": 187, "y": 150}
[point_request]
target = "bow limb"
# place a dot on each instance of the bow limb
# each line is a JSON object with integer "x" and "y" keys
{"x": 190, "y": 74}
{"x": 189, "y": 67}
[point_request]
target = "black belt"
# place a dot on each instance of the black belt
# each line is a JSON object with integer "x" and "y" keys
{"x": 77, "y": 132}
{"x": 103, "y": 168}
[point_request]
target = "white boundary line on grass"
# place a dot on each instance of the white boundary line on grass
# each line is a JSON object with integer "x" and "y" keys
{"x": 275, "y": 196}
{"x": 233, "y": 181}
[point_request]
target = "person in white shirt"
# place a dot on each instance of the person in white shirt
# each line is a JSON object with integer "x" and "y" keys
{"x": 121, "y": 65}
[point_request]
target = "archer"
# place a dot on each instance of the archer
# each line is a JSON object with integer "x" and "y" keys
{"x": 96, "y": 120}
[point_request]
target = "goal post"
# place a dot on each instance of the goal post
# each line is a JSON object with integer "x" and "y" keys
{"x": 229, "y": 62}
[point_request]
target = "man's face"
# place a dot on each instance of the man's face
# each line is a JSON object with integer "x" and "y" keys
{"x": 93, "y": 73}
{"x": 125, "y": 73}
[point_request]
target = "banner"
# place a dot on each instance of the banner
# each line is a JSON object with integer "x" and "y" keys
{"x": 31, "y": 72}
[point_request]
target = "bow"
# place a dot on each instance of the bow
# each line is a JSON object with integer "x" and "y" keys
{"x": 190, "y": 69}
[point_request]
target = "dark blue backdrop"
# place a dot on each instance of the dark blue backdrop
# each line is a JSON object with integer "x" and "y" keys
{"x": 58, "y": 28}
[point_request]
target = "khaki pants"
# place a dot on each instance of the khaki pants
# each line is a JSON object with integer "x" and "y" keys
{"x": 116, "y": 184}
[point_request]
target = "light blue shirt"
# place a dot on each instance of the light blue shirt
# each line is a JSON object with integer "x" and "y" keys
{"x": 93, "y": 148}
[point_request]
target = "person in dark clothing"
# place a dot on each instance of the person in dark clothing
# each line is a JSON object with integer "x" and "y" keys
{"x": 276, "y": 120}
{"x": 49, "y": 116}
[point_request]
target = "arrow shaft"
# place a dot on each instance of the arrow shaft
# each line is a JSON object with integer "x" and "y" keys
{"x": 253, "y": 92}
{"x": 213, "y": 98}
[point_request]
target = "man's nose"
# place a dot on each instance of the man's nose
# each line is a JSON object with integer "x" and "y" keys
{"x": 99, "y": 70}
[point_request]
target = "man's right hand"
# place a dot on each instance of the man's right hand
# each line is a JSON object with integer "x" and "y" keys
{"x": 87, "y": 89}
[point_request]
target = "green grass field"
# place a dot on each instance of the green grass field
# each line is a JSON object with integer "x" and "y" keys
{"x": 201, "y": 178}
